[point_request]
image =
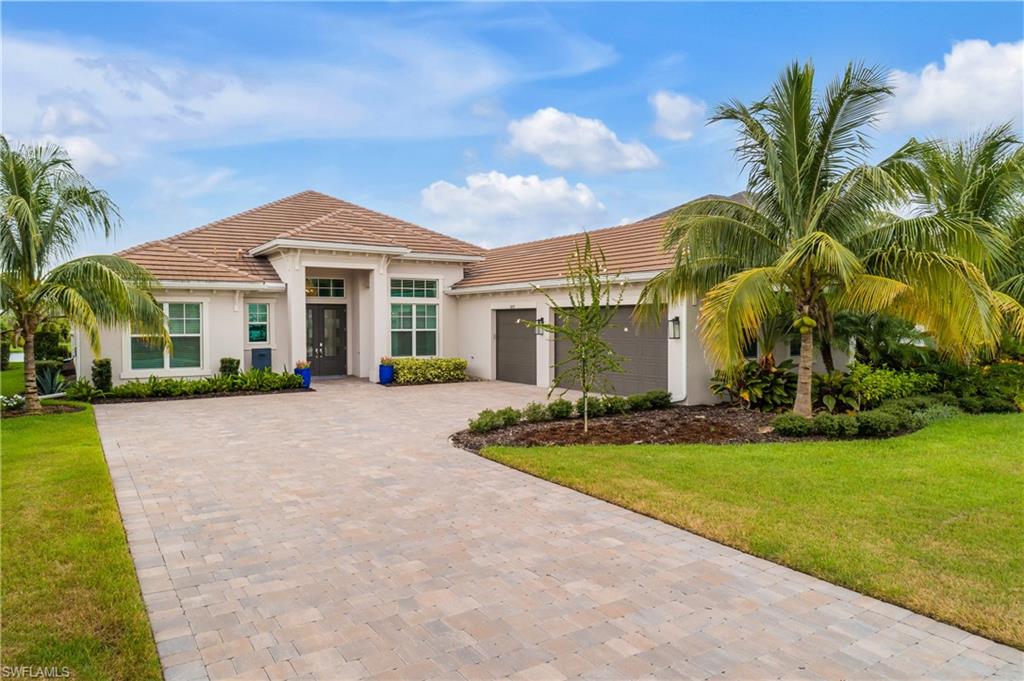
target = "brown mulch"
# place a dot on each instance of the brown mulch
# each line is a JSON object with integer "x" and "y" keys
{"x": 676, "y": 425}
{"x": 47, "y": 409}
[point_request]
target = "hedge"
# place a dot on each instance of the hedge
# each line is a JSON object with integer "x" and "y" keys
{"x": 254, "y": 380}
{"x": 419, "y": 370}
{"x": 561, "y": 409}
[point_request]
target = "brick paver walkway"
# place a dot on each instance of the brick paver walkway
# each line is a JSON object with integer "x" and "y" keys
{"x": 337, "y": 535}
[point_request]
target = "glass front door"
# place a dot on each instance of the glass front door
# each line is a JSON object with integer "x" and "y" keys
{"x": 327, "y": 339}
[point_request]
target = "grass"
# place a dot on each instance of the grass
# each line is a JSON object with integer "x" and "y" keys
{"x": 12, "y": 379}
{"x": 932, "y": 521}
{"x": 70, "y": 597}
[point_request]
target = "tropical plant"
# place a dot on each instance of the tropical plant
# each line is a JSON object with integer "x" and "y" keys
{"x": 816, "y": 233}
{"x": 757, "y": 385}
{"x": 836, "y": 391}
{"x": 980, "y": 179}
{"x": 881, "y": 339}
{"x": 593, "y": 302}
{"x": 49, "y": 381}
{"x": 47, "y": 207}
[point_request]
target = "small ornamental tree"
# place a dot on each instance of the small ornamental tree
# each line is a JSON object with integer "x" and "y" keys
{"x": 593, "y": 303}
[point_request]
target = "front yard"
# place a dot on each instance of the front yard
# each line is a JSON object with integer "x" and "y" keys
{"x": 932, "y": 521}
{"x": 70, "y": 597}
{"x": 12, "y": 379}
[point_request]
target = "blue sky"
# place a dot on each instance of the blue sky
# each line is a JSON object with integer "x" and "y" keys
{"x": 496, "y": 123}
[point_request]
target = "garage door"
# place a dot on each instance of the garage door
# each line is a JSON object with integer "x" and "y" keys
{"x": 516, "y": 346}
{"x": 645, "y": 349}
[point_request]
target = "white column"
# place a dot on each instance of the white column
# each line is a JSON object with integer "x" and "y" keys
{"x": 296, "y": 284}
{"x": 380, "y": 316}
{"x": 677, "y": 364}
{"x": 545, "y": 348}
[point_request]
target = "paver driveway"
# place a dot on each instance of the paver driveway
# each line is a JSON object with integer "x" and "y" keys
{"x": 338, "y": 534}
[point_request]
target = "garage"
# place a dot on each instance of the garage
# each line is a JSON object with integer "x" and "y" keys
{"x": 515, "y": 346}
{"x": 644, "y": 347}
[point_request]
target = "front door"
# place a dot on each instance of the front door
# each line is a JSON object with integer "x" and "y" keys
{"x": 327, "y": 339}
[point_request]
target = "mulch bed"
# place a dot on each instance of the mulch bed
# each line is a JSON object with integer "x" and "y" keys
{"x": 719, "y": 424}
{"x": 47, "y": 409}
{"x": 239, "y": 393}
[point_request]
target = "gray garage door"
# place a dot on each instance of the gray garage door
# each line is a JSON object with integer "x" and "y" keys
{"x": 645, "y": 349}
{"x": 516, "y": 346}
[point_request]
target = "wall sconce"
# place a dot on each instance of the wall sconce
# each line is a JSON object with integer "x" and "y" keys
{"x": 673, "y": 328}
{"x": 539, "y": 331}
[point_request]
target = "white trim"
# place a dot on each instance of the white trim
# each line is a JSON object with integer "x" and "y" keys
{"x": 628, "y": 278}
{"x": 277, "y": 244}
{"x": 269, "y": 343}
{"x": 221, "y": 285}
{"x": 441, "y": 257}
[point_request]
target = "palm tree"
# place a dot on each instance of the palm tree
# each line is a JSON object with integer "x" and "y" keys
{"x": 979, "y": 178}
{"x": 812, "y": 234}
{"x": 47, "y": 207}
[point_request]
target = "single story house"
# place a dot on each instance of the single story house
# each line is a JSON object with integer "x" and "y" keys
{"x": 313, "y": 277}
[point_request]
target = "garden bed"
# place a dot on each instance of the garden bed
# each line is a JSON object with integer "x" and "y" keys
{"x": 237, "y": 393}
{"x": 719, "y": 424}
{"x": 47, "y": 409}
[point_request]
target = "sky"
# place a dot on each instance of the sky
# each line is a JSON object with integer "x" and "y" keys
{"x": 495, "y": 123}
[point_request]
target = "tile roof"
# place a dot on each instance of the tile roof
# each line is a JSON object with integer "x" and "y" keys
{"x": 219, "y": 251}
{"x": 635, "y": 247}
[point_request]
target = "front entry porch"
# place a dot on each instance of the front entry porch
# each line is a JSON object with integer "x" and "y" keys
{"x": 327, "y": 338}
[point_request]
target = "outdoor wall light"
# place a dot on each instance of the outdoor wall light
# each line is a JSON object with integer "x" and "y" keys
{"x": 537, "y": 329}
{"x": 673, "y": 328}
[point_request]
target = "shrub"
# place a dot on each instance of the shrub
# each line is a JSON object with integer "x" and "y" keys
{"x": 971, "y": 404}
{"x": 229, "y": 366}
{"x": 763, "y": 388}
{"x": 419, "y": 370}
{"x": 5, "y": 355}
{"x": 937, "y": 412}
{"x": 535, "y": 412}
{"x": 52, "y": 343}
{"x": 793, "y": 425}
{"x": 82, "y": 391}
{"x": 560, "y": 409}
{"x": 130, "y": 390}
{"x": 12, "y": 402}
{"x": 875, "y": 385}
{"x": 998, "y": 405}
{"x": 486, "y": 421}
{"x": 509, "y": 416}
{"x": 877, "y": 422}
{"x": 254, "y": 380}
{"x": 835, "y": 391}
{"x": 835, "y": 425}
{"x": 49, "y": 380}
{"x": 595, "y": 406}
{"x": 639, "y": 402}
{"x": 613, "y": 404}
{"x": 660, "y": 399}
{"x": 101, "y": 376}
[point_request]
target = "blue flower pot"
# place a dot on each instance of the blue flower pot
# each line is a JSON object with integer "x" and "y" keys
{"x": 386, "y": 374}
{"x": 307, "y": 376}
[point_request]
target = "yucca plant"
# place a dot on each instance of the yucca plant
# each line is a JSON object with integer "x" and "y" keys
{"x": 817, "y": 232}
{"x": 47, "y": 208}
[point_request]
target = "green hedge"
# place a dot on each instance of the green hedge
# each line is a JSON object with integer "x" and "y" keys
{"x": 253, "y": 380}
{"x": 889, "y": 418}
{"x": 419, "y": 370}
{"x": 561, "y": 409}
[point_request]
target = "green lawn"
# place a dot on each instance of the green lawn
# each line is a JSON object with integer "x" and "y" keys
{"x": 932, "y": 521}
{"x": 12, "y": 379}
{"x": 69, "y": 592}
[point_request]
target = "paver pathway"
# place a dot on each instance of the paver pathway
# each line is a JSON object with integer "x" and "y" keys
{"x": 338, "y": 535}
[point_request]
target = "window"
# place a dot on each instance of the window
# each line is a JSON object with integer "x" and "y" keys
{"x": 258, "y": 322}
{"x": 413, "y": 288}
{"x": 794, "y": 346}
{"x": 325, "y": 288}
{"x": 413, "y": 330}
{"x": 184, "y": 325}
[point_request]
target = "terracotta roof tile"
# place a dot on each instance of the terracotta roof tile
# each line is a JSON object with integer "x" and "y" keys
{"x": 308, "y": 215}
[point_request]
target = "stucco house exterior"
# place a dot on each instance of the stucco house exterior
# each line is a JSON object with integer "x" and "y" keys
{"x": 312, "y": 276}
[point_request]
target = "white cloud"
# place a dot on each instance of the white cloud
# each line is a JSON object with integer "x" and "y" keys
{"x": 978, "y": 84}
{"x": 564, "y": 140}
{"x": 676, "y": 116}
{"x": 192, "y": 185}
{"x": 85, "y": 153}
{"x": 494, "y": 208}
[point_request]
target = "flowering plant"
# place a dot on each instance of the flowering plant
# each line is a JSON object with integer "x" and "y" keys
{"x": 386, "y": 361}
{"x": 12, "y": 402}
{"x": 302, "y": 364}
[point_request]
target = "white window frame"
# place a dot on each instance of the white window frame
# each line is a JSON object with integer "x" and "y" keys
{"x": 404, "y": 300}
{"x": 269, "y": 343}
{"x": 204, "y": 345}
{"x": 317, "y": 296}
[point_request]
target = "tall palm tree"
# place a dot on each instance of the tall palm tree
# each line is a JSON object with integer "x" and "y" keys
{"x": 980, "y": 178}
{"x": 47, "y": 207}
{"x": 812, "y": 235}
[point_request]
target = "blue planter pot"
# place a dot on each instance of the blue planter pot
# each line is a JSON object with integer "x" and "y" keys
{"x": 386, "y": 374}
{"x": 307, "y": 376}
